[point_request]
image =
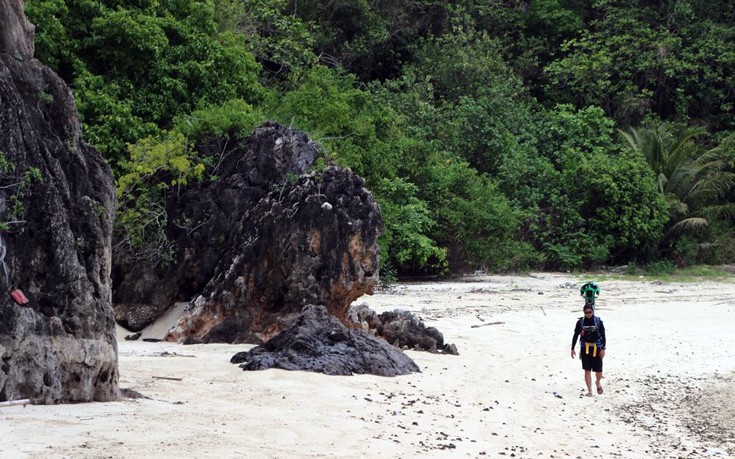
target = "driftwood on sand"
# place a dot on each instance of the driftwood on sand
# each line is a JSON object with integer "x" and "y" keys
{"x": 23, "y": 402}
{"x": 486, "y": 324}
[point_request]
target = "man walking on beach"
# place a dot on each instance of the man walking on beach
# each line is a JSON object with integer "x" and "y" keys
{"x": 591, "y": 332}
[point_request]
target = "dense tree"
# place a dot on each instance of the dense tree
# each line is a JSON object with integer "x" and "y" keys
{"x": 584, "y": 203}
{"x": 369, "y": 38}
{"x": 690, "y": 176}
{"x": 640, "y": 58}
{"x": 136, "y": 67}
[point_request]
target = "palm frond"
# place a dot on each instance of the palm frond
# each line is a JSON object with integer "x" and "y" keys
{"x": 688, "y": 224}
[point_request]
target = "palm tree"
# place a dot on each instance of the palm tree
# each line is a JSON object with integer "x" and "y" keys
{"x": 690, "y": 176}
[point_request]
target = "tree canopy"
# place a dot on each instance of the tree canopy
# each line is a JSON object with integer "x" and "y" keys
{"x": 555, "y": 134}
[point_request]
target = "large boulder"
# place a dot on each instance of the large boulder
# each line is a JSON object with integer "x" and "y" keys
{"x": 57, "y": 201}
{"x": 269, "y": 236}
{"x": 316, "y": 341}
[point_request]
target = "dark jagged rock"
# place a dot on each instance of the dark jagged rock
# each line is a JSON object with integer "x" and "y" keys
{"x": 265, "y": 239}
{"x": 60, "y": 346}
{"x": 316, "y": 341}
{"x": 402, "y": 329}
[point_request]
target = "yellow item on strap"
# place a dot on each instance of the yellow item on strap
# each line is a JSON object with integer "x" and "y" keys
{"x": 587, "y": 349}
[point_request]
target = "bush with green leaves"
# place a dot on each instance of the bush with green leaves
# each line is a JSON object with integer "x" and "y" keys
{"x": 622, "y": 205}
{"x": 406, "y": 246}
{"x": 234, "y": 117}
{"x": 157, "y": 167}
{"x": 16, "y": 186}
{"x": 483, "y": 110}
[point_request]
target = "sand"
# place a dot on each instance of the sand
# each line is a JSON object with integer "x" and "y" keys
{"x": 513, "y": 391}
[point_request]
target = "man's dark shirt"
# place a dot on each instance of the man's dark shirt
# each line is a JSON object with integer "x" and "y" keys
{"x": 587, "y": 325}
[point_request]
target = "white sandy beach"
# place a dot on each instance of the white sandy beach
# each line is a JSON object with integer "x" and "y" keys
{"x": 513, "y": 391}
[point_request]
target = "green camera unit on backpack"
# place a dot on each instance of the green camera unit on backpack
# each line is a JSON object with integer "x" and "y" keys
{"x": 589, "y": 291}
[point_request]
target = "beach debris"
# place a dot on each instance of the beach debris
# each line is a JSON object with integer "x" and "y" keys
{"x": 316, "y": 341}
{"x": 126, "y": 392}
{"x": 23, "y": 402}
{"x": 18, "y": 296}
{"x": 168, "y": 378}
{"x": 173, "y": 354}
{"x": 557, "y": 395}
{"x": 486, "y": 324}
{"x": 133, "y": 336}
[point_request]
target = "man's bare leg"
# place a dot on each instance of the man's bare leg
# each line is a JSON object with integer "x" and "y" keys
{"x": 598, "y": 377}
{"x": 588, "y": 381}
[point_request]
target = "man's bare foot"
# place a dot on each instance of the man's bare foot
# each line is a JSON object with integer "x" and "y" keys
{"x": 589, "y": 394}
{"x": 599, "y": 389}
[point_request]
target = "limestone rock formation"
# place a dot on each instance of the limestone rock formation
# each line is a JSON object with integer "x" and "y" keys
{"x": 255, "y": 246}
{"x": 16, "y": 33}
{"x": 402, "y": 329}
{"x": 316, "y": 341}
{"x": 57, "y": 201}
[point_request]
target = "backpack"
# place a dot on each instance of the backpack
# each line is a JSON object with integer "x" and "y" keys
{"x": 591, "y": 329}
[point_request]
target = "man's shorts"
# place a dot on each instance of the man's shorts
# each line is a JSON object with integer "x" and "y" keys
{"x": 590, "y": 363}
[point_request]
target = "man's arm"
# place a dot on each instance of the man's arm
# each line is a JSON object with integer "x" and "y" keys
{"x": 577, "y": 331}
{"x": 603, "y": 340}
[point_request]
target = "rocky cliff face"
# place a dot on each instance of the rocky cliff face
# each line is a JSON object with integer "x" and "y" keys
{"x": 56, "y": 210}
{"x": 255, "y": 246}
{"x": 16, "y": 33}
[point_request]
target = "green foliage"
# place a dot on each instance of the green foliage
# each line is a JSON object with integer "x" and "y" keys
{"x": 136, "y": 67}
{"x": 475, "y": 221}
{"x": 566, "y": 135}
{"x": 658, "y": 268}
{"x": 484, "y": 128}
{"x": 344, "y": 119}
{"x": 638, "y": 59}
{"x": 282, "y": 42}
{"x": 16, "y": 188}
{"x": 622, "y": 205}
{"x": 483, "y": 110}
{"x": 53, "y": 45}
{"x": 689, "y": 176}
{"x": 585, "y": 204}
{"x": 157, "y": 167}
{"x": 45, "y": 97}
{"x": 406, "y": 244}
{"x": 371, "y": 39}
{"x": 685, "y": 251}
{"x": 6, "y": 166}
{"x": 234, "y": 116}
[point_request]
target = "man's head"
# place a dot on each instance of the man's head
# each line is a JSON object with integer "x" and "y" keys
{"x": 588, "y": 311}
